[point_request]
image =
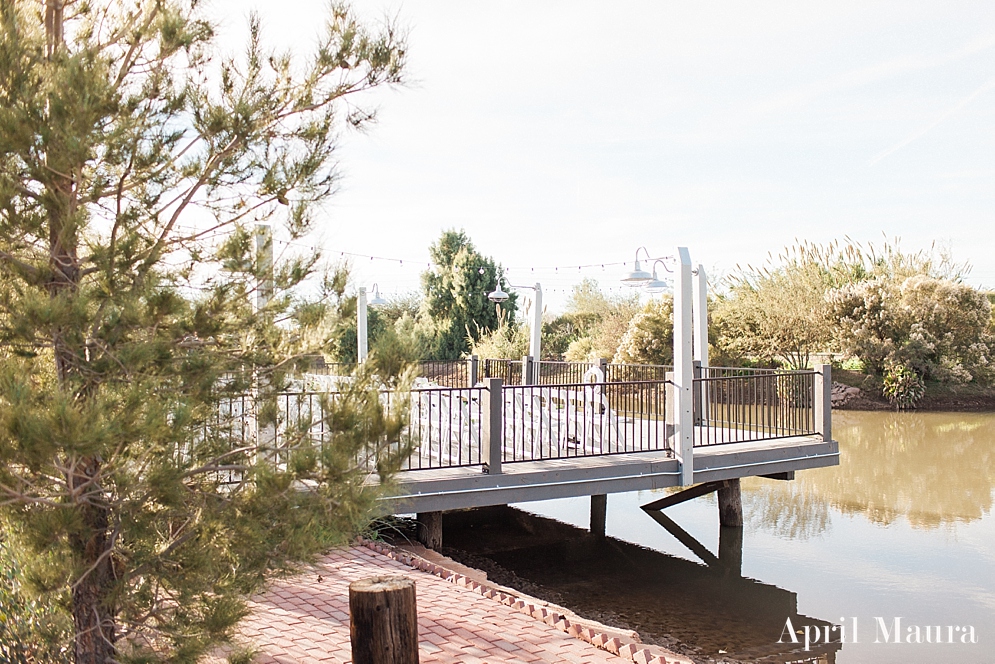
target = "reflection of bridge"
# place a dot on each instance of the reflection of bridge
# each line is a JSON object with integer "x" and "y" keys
{"x": 708, "y": 606}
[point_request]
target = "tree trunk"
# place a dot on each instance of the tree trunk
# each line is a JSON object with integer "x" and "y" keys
{"x": 383, "y": 621}
{"x": 93, "y": 612}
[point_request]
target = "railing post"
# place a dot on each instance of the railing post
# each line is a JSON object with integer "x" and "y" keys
{"x": 824, "y": 401}
{"x": 473, "y": 370}
{"x": 670, "y": 411}
{"x": 696, "y": 372}
{"x": 492, "y": 421}
{"x": 603, "y": 365}
{"x": 528, "y": 370}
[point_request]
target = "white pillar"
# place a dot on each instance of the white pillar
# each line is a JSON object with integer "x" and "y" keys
{"x": 684, "y": 366}
{"x": 361, "y": 334}
{"x": 700, "y": 316}
{"x": 535, "y": 343}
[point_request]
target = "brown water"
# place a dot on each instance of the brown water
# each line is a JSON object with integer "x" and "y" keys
{"x": 903, "y": 528}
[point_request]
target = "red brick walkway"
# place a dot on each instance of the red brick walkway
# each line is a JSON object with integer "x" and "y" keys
{"x": 304, "y": 619}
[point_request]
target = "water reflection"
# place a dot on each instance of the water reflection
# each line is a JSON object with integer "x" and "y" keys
{"x": 930, "y": 468}
{"x": 662, "y": 597}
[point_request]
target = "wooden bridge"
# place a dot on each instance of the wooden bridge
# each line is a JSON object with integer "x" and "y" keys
{"x": 508, "y": 431}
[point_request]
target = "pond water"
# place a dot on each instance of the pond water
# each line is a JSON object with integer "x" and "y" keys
{"x": 902, "y": 528}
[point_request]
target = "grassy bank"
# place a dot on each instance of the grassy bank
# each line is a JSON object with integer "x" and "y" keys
{"x": 970, "y": 397}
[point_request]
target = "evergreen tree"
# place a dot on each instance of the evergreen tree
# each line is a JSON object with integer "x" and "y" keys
{"x": 133, "y": 167}
{"x": 455, "y": 304}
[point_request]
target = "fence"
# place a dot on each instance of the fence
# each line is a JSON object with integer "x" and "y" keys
{"x": 582, "y": 419}
{"x": 451, "y": 427}
{"x": 734, "y": 405}
{"x": 445, "y": 373}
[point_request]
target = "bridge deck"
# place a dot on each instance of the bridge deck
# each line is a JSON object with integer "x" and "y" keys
{"x": 458, "y": 488}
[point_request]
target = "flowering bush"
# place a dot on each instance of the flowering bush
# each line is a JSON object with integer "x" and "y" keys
{"x": 937, "y": 328}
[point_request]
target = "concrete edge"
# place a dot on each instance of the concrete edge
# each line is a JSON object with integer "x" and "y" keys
{"x": 622, "y": 643}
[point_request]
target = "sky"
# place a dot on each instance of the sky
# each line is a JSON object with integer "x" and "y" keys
{"x": 560, "y": 134}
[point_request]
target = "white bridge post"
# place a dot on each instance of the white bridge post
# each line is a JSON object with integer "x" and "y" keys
{"x": 684, "y": 367}
{"x": 700, "y": 317}
{"x": 824, "y": 401}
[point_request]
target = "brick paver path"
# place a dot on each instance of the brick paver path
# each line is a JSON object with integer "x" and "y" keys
{"x": 300, "y": 619}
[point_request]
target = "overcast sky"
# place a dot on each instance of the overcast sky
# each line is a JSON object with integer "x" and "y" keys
{"x": 571, "y": 133}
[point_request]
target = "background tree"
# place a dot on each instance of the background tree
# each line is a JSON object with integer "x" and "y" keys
{"x": 455, "y": 310}
{"x": 599, "y": 321}
{"x": 935, "y": 327}
{"x": 133, "y": 168}
{"x": 649, "y": 338}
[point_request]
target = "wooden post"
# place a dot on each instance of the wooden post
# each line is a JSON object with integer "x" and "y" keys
{"x": 430, "y": 529}
{"x": 730, "y": 504}
{"x": 473, "y": 370}
{"x": 383, "y": 620}
{"x": 731, "y": 550}
{"x": 603, "y": 365}
{"x": 528, "y": 370}
{"x": 599, "y": 515}
{"x": 492, "y": 425}
{"x": 824, "y": 401}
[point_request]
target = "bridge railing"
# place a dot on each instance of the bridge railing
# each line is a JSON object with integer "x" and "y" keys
{"x": 735, "y": 405}
{"x": 583, "y": 419}
{"x": 450, "y": 427}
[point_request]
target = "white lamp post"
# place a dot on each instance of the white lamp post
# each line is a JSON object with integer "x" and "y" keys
{"x": 535, "y": 338}
{"x": 362, "y": 334}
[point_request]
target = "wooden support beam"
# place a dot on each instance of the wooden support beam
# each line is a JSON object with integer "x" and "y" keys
{"x": 685, "y": 495}
{"x": 730, "y": 504}
{"x": 383, "y": 620}
{"x": 787, "y": 475}
{"x": 599, "y": 515}
{"x": 430, "y": 529}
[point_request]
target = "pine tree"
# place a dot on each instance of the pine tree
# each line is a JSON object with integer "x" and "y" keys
{"x": 455, "y": 295}
{"x": 133, "y": 169}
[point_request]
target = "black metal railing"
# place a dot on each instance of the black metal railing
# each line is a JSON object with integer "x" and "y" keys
{"x": 446, "y": 428}
{"x": 550, "y": 372}
{"x": 446, "y": 373}
{"x": 509, "y": 371}
{"x": 734, "y": 405}
{"x": 621, "y": 373}
{"x": 583, "y": 419}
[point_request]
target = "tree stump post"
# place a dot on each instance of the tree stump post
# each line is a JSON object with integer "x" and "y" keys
{"x": 383, "y": 620}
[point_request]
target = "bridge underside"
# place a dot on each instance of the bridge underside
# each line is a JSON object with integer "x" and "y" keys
{"x": 459, "y": 488}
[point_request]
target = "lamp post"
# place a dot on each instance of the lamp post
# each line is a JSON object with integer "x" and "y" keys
{"x": 362, "y": 334}
{"x": 690, "y": 343}
{"x": 535, "y": 338}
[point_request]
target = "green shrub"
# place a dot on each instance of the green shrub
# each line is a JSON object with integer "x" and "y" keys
{"x": 903, "y": 386}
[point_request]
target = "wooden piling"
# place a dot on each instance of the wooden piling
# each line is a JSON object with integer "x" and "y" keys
{"x": 599, "y": 515}
{"x": 430, "y": 529}
{"x": 730, "y": 504}
{"x": 383, "y": 620}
